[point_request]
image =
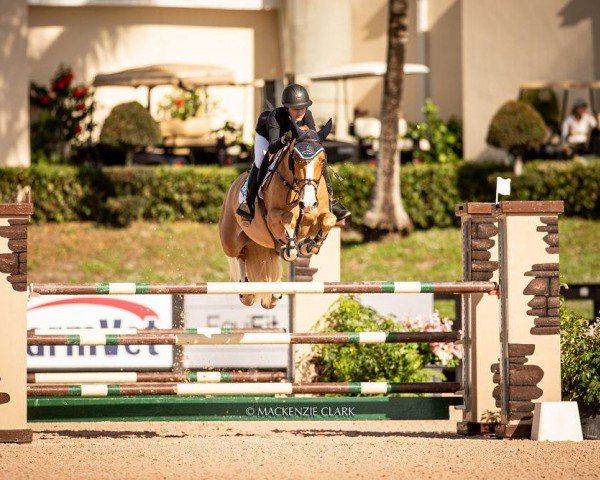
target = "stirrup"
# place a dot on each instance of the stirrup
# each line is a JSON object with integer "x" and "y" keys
{"x": 340, "y": 212}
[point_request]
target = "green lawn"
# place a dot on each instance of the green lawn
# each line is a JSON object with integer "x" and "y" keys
{"x": 190, "y": 252}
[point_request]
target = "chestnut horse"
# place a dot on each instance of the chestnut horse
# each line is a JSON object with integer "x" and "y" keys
{"x": 291, "y": 218}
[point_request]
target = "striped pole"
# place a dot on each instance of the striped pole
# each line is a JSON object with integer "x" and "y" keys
{"x": 191, "y": 389}
{"x": 150, "y": 331}
{"x": 138, "y": 377}
{"x": 287, "y": 288}
{"x": 98, "y": 337}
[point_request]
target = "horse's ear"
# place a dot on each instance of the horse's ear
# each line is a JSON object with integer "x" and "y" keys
{"x": 326, "y": 130}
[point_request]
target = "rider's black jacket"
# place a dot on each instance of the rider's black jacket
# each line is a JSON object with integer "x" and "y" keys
{"x": 278, "y": 123}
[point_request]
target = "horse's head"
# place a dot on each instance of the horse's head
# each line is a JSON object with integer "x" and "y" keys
{"x": 307, "y": 161}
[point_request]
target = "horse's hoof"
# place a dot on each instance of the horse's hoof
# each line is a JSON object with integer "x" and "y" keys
{"x": 290, "y": 252}
{"x": 308, "y": 248}
{"x": 247, "y": 300}
{"x": 269, "y": 304}
{"x": 290, "y": 255}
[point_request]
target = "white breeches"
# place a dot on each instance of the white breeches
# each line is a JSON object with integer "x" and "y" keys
{"x": 261, "y": 146}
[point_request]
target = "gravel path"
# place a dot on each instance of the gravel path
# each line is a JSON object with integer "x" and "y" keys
{"x": 366, "y": 449}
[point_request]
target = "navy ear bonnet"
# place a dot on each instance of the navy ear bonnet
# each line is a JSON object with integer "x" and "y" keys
{"x": 308, "y": 150}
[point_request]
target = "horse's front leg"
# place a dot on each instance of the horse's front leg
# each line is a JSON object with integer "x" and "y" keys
{"x": 312, "y": 246}
{"x": 327, "y": 221}
{"x": 283, "y": 224}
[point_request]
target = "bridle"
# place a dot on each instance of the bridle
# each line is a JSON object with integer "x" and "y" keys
{"x": 297, "y": 185}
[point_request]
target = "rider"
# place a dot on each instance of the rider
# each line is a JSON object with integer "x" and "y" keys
{"x": 269, "y": 139}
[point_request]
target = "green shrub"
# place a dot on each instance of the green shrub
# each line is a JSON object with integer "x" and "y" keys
{"x": 60, "y": 193}
{"x": 515, "y": 127}
{"x": 191, "y": 193}
{"x": 125, "y": 209}
{"x": 384, "y": 362}
{"x": 574, "y": 183}
{"x": 580, "y": 358}
{"x": 546, "y": 104}
{"x": 130, "y": 126}
{"x": 430, "y": 191}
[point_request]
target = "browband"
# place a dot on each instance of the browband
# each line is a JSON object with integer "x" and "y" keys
{"x": 308, "y": 151}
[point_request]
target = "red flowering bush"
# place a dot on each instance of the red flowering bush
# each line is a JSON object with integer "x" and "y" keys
{"x": 61, "y": 115}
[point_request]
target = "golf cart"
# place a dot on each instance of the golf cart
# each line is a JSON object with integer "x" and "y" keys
{"x": 198, "y": 139}
{"x": 358, "y": 138}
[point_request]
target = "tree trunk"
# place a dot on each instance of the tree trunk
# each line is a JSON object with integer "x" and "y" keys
{"x": 129, "y": 157}
{"x": 518, "y": 165}
{"x": 387, "y": 213}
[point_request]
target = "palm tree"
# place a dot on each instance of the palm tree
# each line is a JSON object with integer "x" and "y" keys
{"x": 387, "y": 213}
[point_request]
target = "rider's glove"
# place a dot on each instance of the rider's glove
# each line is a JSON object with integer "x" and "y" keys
{"x": 287, "y": 137}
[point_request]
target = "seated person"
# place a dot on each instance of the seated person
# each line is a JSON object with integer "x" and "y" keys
{"x": 577, "y": 127}
{"x": 276, "y": 131}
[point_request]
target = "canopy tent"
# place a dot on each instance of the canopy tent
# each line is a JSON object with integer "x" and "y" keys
{"x": 180, "y": 75}
{"x": 186, "y": 76}
{"x": 361, "y": 70}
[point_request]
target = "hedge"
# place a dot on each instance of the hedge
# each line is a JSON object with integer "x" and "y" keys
{"x": 430, "y": 192}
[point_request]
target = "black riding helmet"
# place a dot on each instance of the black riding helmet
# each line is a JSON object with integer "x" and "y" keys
{"x": 295, "y": 96}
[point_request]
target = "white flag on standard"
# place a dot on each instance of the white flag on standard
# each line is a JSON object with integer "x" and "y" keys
{"x": 502, "y": 187}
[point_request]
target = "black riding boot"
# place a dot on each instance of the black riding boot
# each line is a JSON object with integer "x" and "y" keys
{"x": 337, "y": 208}
{"x": 246, "y": 209}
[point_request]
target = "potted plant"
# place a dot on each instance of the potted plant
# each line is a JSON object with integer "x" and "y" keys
{"x": 580, "y": 368}
{"x": 516, "y": 127}
{"x": 130, "y": 127}
{"x": 183, "y": 104}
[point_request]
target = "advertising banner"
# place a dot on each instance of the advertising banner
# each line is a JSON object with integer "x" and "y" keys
{"x": 99, "y": 312}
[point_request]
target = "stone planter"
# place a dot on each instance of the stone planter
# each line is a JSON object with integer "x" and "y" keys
{"x": 590, "y": 422}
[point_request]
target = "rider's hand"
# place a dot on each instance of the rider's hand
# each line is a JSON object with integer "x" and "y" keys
{"x": 287, "y": 137}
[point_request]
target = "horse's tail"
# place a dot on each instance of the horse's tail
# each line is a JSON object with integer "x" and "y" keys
{"x": 262, "y": 264}
{"x": 235, "y": 272}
